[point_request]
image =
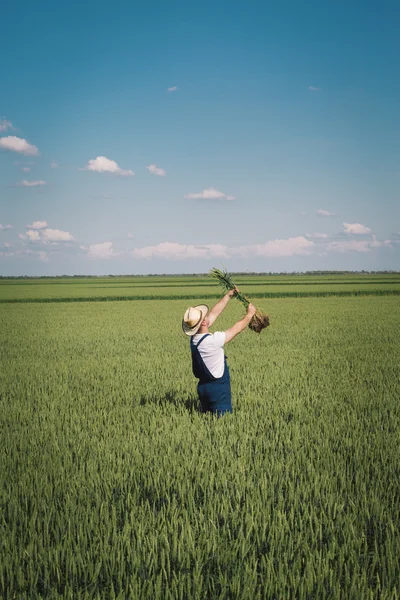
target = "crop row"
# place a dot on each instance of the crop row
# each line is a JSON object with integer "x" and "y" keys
{"x": 196, "y": 296}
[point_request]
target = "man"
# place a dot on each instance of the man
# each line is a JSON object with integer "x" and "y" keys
{"x": 208, "y": 359}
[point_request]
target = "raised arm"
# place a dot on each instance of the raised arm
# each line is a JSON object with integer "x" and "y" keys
{"x": 219, "y": 307}
{"x": 240, "y": 325}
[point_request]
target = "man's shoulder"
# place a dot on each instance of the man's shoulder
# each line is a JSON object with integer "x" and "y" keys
{"x": 217, "y": 337}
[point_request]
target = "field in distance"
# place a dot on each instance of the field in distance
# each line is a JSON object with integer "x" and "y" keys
{"x": 196, "y": 287}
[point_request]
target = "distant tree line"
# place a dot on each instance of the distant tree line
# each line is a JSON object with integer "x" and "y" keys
{"x": 236, "y": 273}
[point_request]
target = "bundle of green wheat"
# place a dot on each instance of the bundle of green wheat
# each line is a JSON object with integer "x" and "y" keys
{"x": 260, "y": 320}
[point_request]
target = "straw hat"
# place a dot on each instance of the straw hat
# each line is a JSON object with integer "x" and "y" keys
{"x": 193, "y": 318}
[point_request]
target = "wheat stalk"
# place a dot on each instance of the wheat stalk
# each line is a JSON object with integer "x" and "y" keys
{"x": 260, "y": 320}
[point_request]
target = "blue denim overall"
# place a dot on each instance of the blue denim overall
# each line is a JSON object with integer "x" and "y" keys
{"x": 214, "y": 392}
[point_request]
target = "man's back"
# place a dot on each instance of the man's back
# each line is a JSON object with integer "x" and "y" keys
{"x": 211, "y": 351}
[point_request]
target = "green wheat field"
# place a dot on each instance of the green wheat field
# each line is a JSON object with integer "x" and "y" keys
{"x": 113, "y": 485}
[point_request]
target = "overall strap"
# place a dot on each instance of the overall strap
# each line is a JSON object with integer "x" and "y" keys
{"x": 199, "y": 368}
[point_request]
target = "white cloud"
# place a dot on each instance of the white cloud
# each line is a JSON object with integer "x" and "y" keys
{"x": 314, "y": 89}
{"x": 356, "y": 228}
{"x": 273, "y": 248}
{"x": 17, "y": 144}
{"x": 55, "y": 235}
{"x": 37, "y": 183}
{"x": 294, "y": 246}
{"x": 103, "y": 250}
{"x": 317, "y": 235}
{"x": 5, "y": 124}
{"x": 156, "y": 170}
{"x": 32, "y": 235}
{"x": 25, "y": 169}
{"x": 37, "y": 225}
{"x": 39, "y": 232}
{"x": 209, "y": 194}
{"x": 325, "y": 213}
{"x": 101, "y": 164}
{"x": 172, "y": 89}
{"x": 5, "y": 245}
{"x": 130, "y": 235}
{"x": 53, "y": 164}
{"x": 5, "y": 226}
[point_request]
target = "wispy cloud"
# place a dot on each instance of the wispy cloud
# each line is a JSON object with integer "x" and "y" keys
{"x": 278, "y": 248}
{"x": 356, "y": 228}
{"x": 25, "y": 169}
{"x": 101, "y": 164}
{"x": 272, "y": 248}
{"x": 325, "y": 213}
{"x": 53, "y": 164}
{"x": 317, "y": 235}
{"x": 103, "y": 250}
{"x": 295, "y": 246}
{"x": 16, "y": 144}
{"x": 156, "y": 170}
{"x": 209, "y": 194}
{"x": 174, "y": 250}
{"x": 5, "y": 124}
{"x": 312, "y": 88}
{"x": 275, "y": 248}
{"x": 41, "y": 255}
{"x": 37, "y": 183}
{"x": 172, "y": 89}
{"x": 37, "y": 225}
{"x": 357, "y": 245}
{"x": 5, "y": 226}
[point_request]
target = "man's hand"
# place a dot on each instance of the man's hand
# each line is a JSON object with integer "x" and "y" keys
{"x": 220, "y": 306}
{"x": 233, "y": 292}
{"x": 251, "y": 310}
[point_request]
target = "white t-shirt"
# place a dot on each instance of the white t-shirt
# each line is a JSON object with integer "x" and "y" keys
{"x": 211, "y": 351}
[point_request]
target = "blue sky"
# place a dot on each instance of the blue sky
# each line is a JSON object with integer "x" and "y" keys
{"x": 174, "y": 137}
